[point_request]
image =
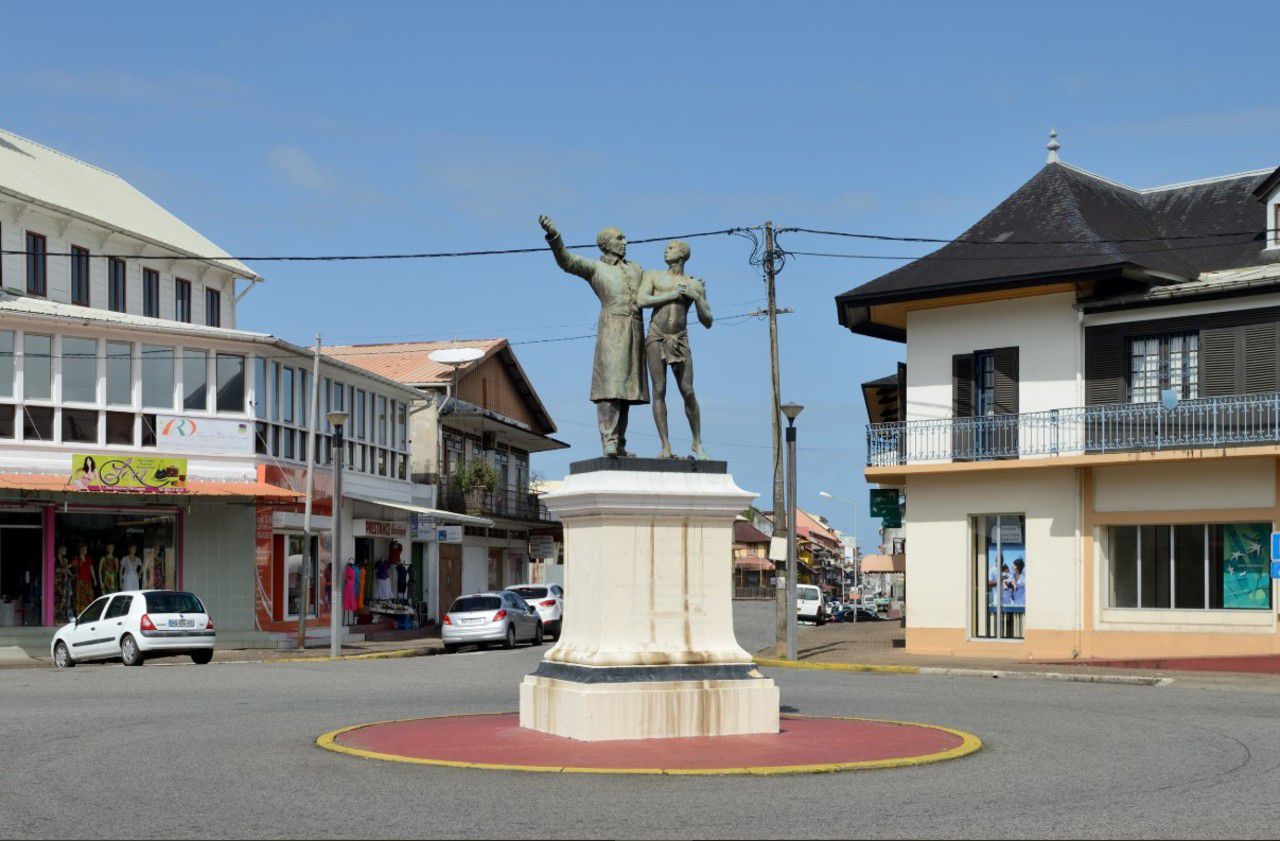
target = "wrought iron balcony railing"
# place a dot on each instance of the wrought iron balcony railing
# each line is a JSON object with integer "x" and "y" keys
{"x": 514, "y": 504}
{"x": 1117, "y": 427}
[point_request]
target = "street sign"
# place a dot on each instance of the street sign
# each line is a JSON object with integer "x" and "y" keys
{"x": 449, "y": 534}
{"x": 1275, "y": 569}
{"x": 884, "y": 502}
{"x": 1275, "y": 546}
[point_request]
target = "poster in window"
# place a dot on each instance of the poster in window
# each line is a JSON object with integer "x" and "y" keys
{"x": 1007, "y": 574}
{"x": 1246, "y": 576}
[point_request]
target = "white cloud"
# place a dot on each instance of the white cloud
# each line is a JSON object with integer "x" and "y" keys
{"x": 299, "y": 169}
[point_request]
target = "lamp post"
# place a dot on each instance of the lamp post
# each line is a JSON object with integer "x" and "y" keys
{"x": 857, "y": 555}
{"x": 792, "y": 411}
{"x": 339, "y": 420}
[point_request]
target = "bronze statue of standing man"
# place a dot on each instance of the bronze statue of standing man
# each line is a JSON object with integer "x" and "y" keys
{"x": 617, "y": 376}
{"x": 671, "y": 293}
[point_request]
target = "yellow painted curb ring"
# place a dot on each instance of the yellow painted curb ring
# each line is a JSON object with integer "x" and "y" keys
{"x": 969, "y": 743}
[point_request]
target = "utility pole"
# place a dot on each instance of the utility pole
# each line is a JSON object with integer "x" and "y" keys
{"x": 309, "y": 559}
{"x": 782, "y": 609}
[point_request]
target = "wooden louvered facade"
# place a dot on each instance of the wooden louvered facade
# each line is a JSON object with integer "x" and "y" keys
{"x": 1239, "y": 353}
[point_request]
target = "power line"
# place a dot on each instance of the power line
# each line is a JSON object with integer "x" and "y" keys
{"x": 936, "y": 256}
{"x": 338, "y": 258}
{"x": 968, "y": 241}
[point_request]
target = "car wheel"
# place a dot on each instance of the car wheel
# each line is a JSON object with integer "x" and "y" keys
{"x": 202, "y": 656}
{"x": 537, "y": 635}
{"x": 555, "y": 630}
{"x": 62, "y": 657}
{"x": 510, "y": 641}
{"x": 450, "y": 648}
{"x": 129, "y": 651}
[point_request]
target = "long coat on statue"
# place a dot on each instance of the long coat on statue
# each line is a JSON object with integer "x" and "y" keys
{"x": 618, "y": 372}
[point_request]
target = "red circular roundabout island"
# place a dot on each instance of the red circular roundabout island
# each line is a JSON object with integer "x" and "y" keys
{"x": 804, "y": 745}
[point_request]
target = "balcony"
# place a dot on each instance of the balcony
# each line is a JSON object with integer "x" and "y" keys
{"x": 508, "y": 503}
{"x": 1211, "y": 422}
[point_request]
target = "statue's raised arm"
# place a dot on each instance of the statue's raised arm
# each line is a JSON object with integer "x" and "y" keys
{"x": 565, "y": 259}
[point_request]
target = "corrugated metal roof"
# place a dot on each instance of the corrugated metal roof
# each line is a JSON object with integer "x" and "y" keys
{"x": 410, "y": 362}
{"x": 35, "y": 173}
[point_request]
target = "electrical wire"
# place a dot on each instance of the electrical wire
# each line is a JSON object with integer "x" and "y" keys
{"x": 339, "y": 258}
{"x": 966, "y": 241}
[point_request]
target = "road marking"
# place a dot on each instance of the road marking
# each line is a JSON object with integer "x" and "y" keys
{"x": 969, "y": 744}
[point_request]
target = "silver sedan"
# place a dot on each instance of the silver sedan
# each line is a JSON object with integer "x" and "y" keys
{"x": 484, "y": 618}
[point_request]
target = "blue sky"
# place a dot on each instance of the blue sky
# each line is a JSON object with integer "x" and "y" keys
{"x": 316, "y": 127}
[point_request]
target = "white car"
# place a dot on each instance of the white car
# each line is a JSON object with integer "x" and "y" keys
{"x": 810, "y": 606}
{"x": 549, "y": 601}
{"x": 136, "y": 625}
{"x": 482, "y": 618}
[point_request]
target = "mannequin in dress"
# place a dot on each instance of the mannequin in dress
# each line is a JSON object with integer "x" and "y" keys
{"x": 148, "y": 568}
{"x": 86, "y": 578}
{"x": 109, "y": 570}
{"x": 65, "y": 581}
{"x": 131, "y": 570}
{"x": 349, "y": 593}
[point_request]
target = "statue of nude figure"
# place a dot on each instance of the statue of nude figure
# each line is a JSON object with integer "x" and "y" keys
{"x": 670, "y": 293}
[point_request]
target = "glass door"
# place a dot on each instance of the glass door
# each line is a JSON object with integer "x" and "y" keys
{"x": 295, "y": 556}
{"x": 999, "y": 576}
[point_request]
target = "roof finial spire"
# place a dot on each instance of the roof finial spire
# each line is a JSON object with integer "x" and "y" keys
{"x": 1053, "y": 146}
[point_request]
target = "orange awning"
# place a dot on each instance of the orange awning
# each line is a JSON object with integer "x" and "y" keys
{"x": 884, "y": 563}
{"x": 55, "y": 482}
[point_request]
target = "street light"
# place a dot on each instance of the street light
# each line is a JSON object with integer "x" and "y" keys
{"x": 791, "y": 411}
{"x": 339, "y": 420}
{"x": 857, "y": 556}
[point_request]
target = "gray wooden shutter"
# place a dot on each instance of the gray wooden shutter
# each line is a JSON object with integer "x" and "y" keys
{"x": 1106, "y": 362}
{"x": 1006, "y": 364}
{"x": 1220, "y": 357}
{"x": 962, "y": 385}
{"x": 1259, "y": 359}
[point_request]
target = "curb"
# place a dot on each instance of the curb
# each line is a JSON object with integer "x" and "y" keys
{"x": 946, "y": 671}
{"x": 969, "y": 744}
{"x": 397, "y": 654}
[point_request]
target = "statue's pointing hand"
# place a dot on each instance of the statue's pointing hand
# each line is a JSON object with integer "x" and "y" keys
{"x": 547, "y": 225}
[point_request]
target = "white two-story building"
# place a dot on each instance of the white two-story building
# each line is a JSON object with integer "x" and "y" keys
{"x": 1087, "y": 426}
{"x": 143, "y": 437}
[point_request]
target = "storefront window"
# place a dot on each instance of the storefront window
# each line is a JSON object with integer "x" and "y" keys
{"x": 37, "y": 367}
{"x": 195, "y": 377}
{"x": 37, "y": 423}
{"x": 1000, "y": 576}
{"x": 79, "y": 370}
{"x": 21, "y": 569}
{"x": 230, "y": 370}
{"x": 119, "y": 374}
{"x": 1213, "y": 566}
{"x": 97, "y": 553}
{"x": 157, "y": 377}
{"x": 6, "y": 363}
{"x": 296, "y": 556}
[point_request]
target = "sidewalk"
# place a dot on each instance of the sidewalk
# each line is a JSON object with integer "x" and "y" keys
{"x": 878, "y": 646}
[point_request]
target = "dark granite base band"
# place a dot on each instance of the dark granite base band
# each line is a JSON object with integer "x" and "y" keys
{"x": 644, "y": 674}
{"x": 649, "y": 465}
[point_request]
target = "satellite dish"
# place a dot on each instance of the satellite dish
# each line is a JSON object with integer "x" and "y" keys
{"x": 456, "y": 355}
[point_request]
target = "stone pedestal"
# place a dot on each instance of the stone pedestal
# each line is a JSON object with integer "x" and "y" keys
{"x": 648, "y": 650}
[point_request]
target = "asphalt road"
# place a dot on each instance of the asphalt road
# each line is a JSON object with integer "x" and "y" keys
{"x": 226, "y": 750}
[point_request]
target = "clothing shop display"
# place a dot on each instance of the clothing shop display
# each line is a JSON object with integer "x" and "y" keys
{"x": 84, "y": 581}
{"x": 131, "y": 571}
{"x": 402, "y": 580}
{"x": 382, "y": 581}
{"x": 349, "y": 587}
{"x": 393, "y": 552}
{"x": 109, "y": 572}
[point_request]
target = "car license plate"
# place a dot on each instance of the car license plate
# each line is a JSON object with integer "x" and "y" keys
{"x": 182, "y": 623}
{"x": 472, "y": 621}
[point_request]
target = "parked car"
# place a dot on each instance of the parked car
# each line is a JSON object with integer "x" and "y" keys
{"x": 482, "y": 618}
{"x": 549, "y": 601}
{"x": 137, "y": 625}
{"x": 810, "y": 604}
{"x": 864, "y": 615}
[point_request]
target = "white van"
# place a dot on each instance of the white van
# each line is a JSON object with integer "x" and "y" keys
{"x": 810, "y": 606}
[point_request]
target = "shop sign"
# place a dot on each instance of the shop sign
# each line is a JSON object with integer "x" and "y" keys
{"x": 104, "y": 472}
{"x": 379, "y": 528}
{"x": 542, "y": 546}
{"x": 449, "y": 534}
{"x": 884, "y": 502}
{"x": 186, "y": 434}
{"x": 422, "y": 527}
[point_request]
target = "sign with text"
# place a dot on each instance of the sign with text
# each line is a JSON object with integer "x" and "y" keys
{"x": 187, "y": 434}
{"x": 449, "y": 534}
{"x": 542, "y": 546}
{"x": 884, "y": 504}
{"x": 379, "y": 528}
{"x": 104, "y": 472}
